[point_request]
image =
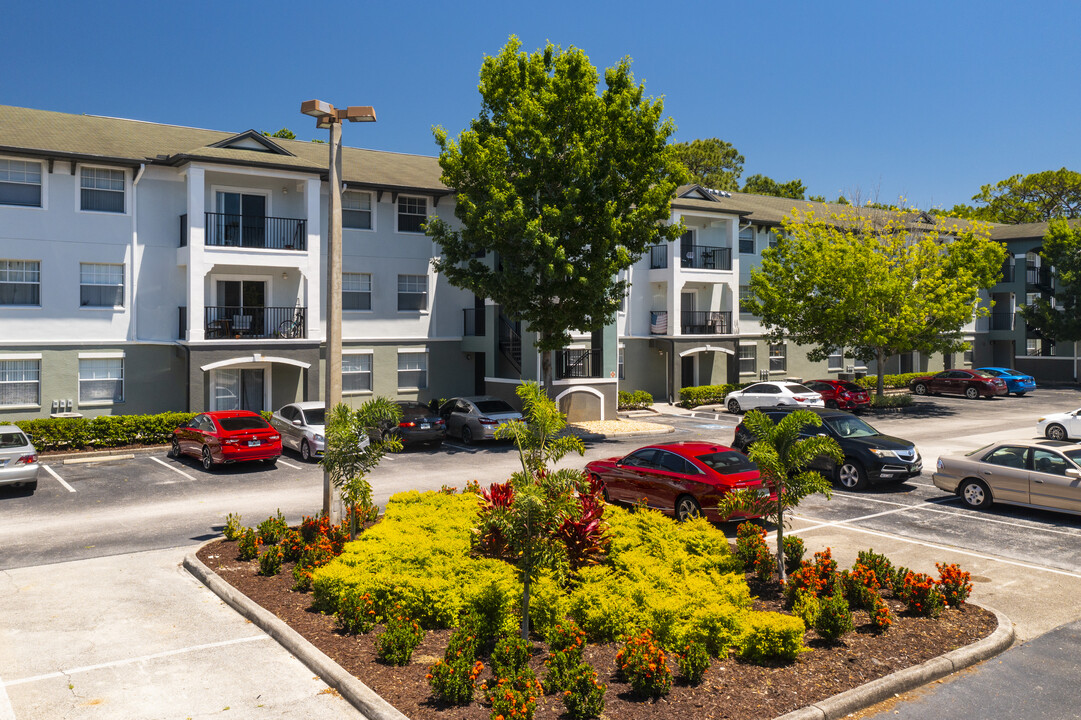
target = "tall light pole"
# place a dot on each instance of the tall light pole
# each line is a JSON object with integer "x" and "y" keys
{"x": 327, "y": 116}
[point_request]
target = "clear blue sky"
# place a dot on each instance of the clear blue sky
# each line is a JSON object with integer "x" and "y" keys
{"x": 928, "y": 100}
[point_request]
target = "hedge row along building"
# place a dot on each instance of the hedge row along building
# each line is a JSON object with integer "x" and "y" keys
{"x": 148, "y": 267}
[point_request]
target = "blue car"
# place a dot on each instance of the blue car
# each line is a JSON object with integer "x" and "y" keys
{"x": 1017, "y": 383}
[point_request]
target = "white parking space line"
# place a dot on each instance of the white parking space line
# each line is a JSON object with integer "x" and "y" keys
{"x": 129, "y": 661}
{"x": 6, "y": 711}
{"x": 175, "y": 469}
{"x": 286, "y": 463}
{"x": 58, "y": 478}
{"x": 462, "y": 448}
{"x": 903, "y": 508}
{"x": 946, "y": 548}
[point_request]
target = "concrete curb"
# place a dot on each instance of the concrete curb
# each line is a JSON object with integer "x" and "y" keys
{"x": 106, "y": 454}
{"x": 901, "y": 681}
{"x": 662, "y": 430}
{"x": 359, "y": 695}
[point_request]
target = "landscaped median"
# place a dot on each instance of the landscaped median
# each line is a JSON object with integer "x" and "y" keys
{"x": 425, "y": 620}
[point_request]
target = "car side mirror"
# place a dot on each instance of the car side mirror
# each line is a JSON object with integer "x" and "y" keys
{"x": 1073, "y": 473}
{"x": 297, "y": 423}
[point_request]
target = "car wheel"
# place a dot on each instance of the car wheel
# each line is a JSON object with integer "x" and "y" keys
{"x": 1056, "y": 432}
{"x": 832, "y": 404}
{"x": 1021, "y": 394}
{"x": 305, "y": 451}
{"x": 467, "y": 435}
{"x": 851, "y": 475}
{"x": 272, "y": 462}
{"x": 174, "y": 449}
{"x": 733, "y": 406}
{"x": 207, "y": 458}
{"x": 972, "y": 393}
{"x": 437, "y": 444}
{"x": 919, "y": 389}
{"x": 687, "y": 508}
{"x": 975, "y": 494}
{"x": 32, "y": 486}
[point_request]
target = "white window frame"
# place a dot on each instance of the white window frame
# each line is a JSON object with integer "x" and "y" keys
{"x": 21, "y": 358}
{"x": 408, "y": 292}
{"x": 370, "y": 372}
{"x": 371, "y": 210}
{"x": 5, "y": 281}
{"x": 42, "y": 183}
{"x": 408, "y": 351}
{"x": 754, "y": 241}
{"x": 92, "y": 356}
{"x": 753, "y": 348}
{"x": 83, "y": 283}
{"x": 361, "y": 280}
{"x": 835, "y": 361}
{"x": 782, "y": 356}
{"x": 79, "y": 190}
{"x": 621, "y": 362}
{"x": 398, "y": 213}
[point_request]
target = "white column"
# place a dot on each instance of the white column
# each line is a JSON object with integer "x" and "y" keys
{"x": 675, "y": 283}
{"x": 313, "y": 273}
{"x": 196, "y": 258}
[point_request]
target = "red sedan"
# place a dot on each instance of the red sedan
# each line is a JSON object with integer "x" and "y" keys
{"x": 681, "y": 479}
{"x": 227, "y": 436}
{"x": 841, "y": 394}
{"x": 970, "y": 383}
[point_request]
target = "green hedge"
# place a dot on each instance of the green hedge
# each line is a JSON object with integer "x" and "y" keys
{"x": 691, "y": 397}
{"x": 890, "y": 381}
{"x": 635, "y": 400}
{"x": 105, "y": 431}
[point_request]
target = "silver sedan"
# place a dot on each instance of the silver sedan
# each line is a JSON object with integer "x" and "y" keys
{"x": 476, "y": 418}
{"x": 302, "y": 427}
{"x": 1043, "y": 474}
{"x": 18, "y": 459}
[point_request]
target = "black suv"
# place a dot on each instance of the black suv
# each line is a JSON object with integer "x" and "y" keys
{"x": 870, "y": 456}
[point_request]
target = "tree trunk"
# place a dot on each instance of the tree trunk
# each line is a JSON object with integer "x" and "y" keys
{"x": 780, "y": 537}
{"x": 525, "y": 606}
{"x": 880, "y": 384}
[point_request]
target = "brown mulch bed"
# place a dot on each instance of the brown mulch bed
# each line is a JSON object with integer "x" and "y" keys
{"x": 731, "y": 689}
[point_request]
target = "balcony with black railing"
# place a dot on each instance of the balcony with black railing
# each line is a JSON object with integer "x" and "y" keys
{"x": 658, "y": 257}
{"x": 579, "y": 363}
{"x": 1002, "y": 320}
{"x": 706, "y": 257}
{"x": 246, "y": 231}
{"x": 228, "y": 322}
{"x": 706, "y": 322}
{"x": 1040, "y": 277}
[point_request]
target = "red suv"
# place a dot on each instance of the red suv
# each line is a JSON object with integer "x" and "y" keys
{"x": 841, "y": 394}
{"x": 970, "y": 383}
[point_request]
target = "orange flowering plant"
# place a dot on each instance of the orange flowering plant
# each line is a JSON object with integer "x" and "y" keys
{"x": 644, "y": 664}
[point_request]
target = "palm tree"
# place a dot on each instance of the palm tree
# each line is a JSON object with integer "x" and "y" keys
{"x": 782, "y": 452}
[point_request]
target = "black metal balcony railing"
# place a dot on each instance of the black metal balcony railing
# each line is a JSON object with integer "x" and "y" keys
{"x": 472, "y": 322}
{"x": 658, "y": 257}
{"x": 1002, "y": 320}
{"x": 272, "y": 233}
{"x": 574, "y": 363}
{"x": 706, "y": 322}
{"x": 706, "y": 257}
{"x": 184, "y": 230}
{"x": 1038, "y": 277}
{"x": 1007, "y": 271}
{"x": 248, "y": 323}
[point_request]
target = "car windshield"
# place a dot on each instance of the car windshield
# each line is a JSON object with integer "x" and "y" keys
{"x": 493, "y": 406}
{"x": 316, "y": 416}
{"x": 798, "y": 388}
{"x": 727, "y": 461}
{"x": 978, "y": 450}
{"x": 10, "y": 439}
{"x": 850, "y": 426}
{"x": 981, "y": 374}
{"x": 231, "y": 424}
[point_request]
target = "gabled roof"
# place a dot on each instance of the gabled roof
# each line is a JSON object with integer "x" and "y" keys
{"x": 252, "y": 140}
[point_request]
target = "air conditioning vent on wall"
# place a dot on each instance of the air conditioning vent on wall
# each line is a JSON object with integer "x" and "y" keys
{"x": 763, "y": 374}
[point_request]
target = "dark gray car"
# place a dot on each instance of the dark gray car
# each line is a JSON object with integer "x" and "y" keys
{"x": 476, "y": 418}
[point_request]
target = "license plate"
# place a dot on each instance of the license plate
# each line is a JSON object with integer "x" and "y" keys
{"x": 425, "y": 426}
{"x": 253, "y": 443}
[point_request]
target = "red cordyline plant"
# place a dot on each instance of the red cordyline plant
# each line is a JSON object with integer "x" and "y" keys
{"x": 585, "y": 537}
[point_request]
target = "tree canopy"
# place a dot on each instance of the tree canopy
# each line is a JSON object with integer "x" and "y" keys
{"x": 1061, "y": 321}
{"x": 567, "y": 186}
{"x": 712, "y": 163}
{"x": 872, "y": 282}
{"x": 763, "y": 185}
{"x": 1038, "y": 197}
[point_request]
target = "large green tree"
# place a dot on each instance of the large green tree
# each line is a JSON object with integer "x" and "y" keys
{"x": 1038, "y": 197}
{"x": 712, "y": 163}
{"x": 764, "y": 185}
{"x": 874, "y": 282}
{"x": 1060, "y": 322}
{"x": 567, "y": 186}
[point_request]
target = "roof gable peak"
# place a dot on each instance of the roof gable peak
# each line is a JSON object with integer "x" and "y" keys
{"x": 252, "y": 140}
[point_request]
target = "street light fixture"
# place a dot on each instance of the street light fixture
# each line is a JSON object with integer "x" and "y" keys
{"x": 329, "y": 117}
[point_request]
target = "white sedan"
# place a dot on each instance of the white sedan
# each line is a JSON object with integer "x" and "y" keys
{"x": 772, "y": 394}
{"x": 1060, "y": 426}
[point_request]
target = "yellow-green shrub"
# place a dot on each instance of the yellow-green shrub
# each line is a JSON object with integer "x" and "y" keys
{"x": 771, "y": 638}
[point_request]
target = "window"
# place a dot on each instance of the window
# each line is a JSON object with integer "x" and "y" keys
{"x": 620, "y": 361}
{"x": 772, "y": 238}
{"x": 412, "y": 292}
{"x": 20, "y": 282}
{"x": 1032, "y": 346}
{"x": 836, "y": 360}
{"x": 356, "y": 291}
{"x": 102, "y": 190}
{"x": 356, "y": 373}
{"x": 20, "y": 382}
{"x": 748, "y": 359}
{"x": 745, "y": 294}
{"x": 20, "y": 183}
{"x": 101, "y": 380}
{"x": 746, "y": 241}
{"x": 412, "y": 370}
{"x": 101, "y": 285}
{"x": 357, "y": 210}
{"x": 968, "y": 356}
{"x": 777, "y": 360}
{"x": 412, "y": 212}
